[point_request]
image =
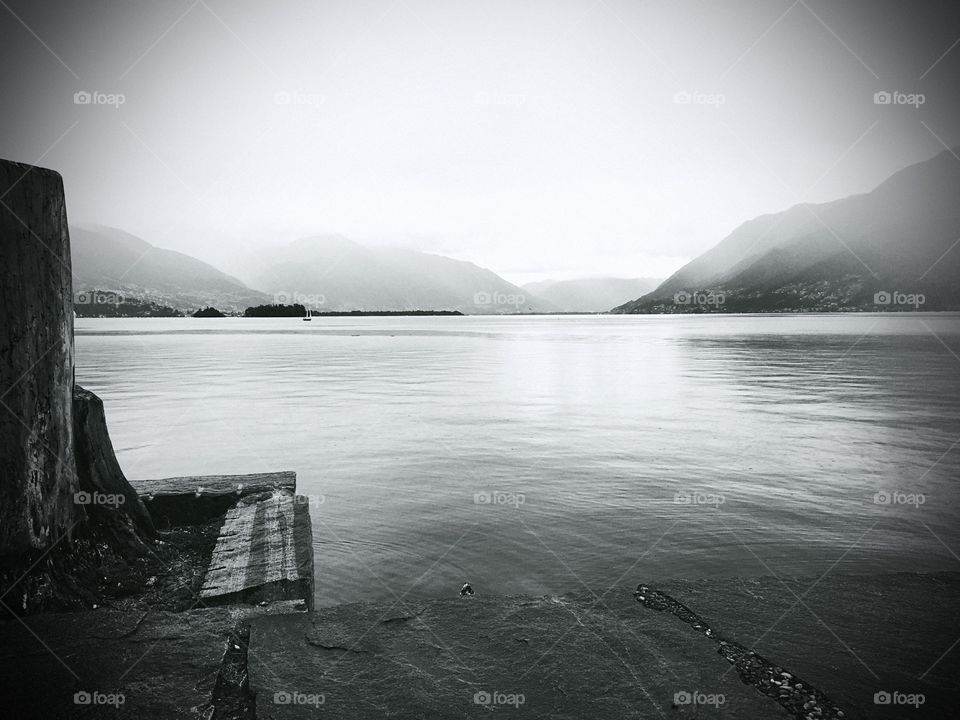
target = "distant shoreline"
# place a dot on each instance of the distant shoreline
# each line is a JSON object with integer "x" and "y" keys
{"x": 375, "y": 313}
{"x": 457, "y": 313}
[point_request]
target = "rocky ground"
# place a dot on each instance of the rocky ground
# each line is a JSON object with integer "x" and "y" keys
{"x": 670, "y": 651}
{"x": 724, "y": 648}
{"x": 852, "y": 637}
{"x": 169, "y": 577}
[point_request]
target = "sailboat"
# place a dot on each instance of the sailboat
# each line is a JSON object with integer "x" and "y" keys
{"x": 307, "y": 317}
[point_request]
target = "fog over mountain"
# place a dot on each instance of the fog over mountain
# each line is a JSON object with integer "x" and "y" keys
{"x": 590, "y": 294}
{"x": 112, "y": 260}
{"x": 541, "y": 139}
{"x": 331, "y": 272}
{"x": 900, "y": 238}
{"x": 325, "y": 273}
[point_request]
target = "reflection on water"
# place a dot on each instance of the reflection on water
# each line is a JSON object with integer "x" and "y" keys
{"x": 595, "y": 430}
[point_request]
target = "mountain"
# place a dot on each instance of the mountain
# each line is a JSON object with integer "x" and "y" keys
{"x": 330, "y": 272}
{"x": 590, "y": 294}
{"x": 893, "y": 248}
{"x": 110, "y": 259}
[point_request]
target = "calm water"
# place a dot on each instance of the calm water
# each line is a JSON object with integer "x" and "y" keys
{"x": 598, "y": 422}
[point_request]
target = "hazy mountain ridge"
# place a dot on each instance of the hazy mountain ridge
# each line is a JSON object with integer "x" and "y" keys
{"x": 838, "y": 256}
{"x": 106, "y": 258}
{"x": 590, "y": 294}
{"x": 331, "y": 272}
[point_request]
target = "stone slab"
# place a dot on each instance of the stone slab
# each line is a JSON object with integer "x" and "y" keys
{"x": 199, "y": 498}
{"x": 164, "y": 664}
{"x": 851, "y": 636}
{"x": 264, "y": 552}
{"x": 568, "y": 657}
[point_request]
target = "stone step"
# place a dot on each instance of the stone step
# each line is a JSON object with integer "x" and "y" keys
{"x": 199, "y": 498}
{"x": 569, "y": 657}
{"x": 155, "y": 664}
{"x": 264, "y": 552}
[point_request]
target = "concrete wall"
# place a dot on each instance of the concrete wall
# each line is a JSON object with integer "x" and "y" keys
{"x": 37, "y": 468}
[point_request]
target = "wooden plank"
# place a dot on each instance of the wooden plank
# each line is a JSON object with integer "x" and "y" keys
{"x": 257, "y": 556}
{"x": 201, "y": 485}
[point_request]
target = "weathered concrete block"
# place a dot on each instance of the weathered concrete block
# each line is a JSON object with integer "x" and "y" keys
{"x": 265, "y": 552}
{"x": 37, "y": 472}
{"x": 104, "y": 489}
{"x": 196, "y": 499}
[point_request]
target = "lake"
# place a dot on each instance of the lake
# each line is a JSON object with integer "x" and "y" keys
{"x": 540, "y": 454}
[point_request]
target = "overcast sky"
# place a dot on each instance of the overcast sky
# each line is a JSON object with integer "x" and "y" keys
{"x": 540, "y": 139}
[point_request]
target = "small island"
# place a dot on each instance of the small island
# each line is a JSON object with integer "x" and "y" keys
{"x": 298, "y": 310}
{"x": 208, "y": 312}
